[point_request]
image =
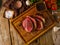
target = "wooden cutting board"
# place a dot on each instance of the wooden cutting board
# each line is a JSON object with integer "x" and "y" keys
{"x": 29, "y": 37}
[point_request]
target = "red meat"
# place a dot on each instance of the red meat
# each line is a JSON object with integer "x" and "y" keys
{"x": 27, "y": 24}
{"x": 39, "y": 24}
{"x": 40, "y": 17}
{"x": 33, "y": 21}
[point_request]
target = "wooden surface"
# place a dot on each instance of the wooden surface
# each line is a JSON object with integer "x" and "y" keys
{"x": 9, "y": 36}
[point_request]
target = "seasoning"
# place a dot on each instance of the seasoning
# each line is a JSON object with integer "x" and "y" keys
{"x": 9, "y": 14}
{"x": 40, "y": 6}
{"x": 28, "y": 3}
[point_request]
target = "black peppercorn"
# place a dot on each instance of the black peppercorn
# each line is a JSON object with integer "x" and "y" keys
{"x": 40, "y": 6}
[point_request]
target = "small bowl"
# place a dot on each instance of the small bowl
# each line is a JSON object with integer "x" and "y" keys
{"x": 8, "y": 13}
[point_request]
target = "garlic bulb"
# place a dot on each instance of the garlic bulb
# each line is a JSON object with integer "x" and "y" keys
{"x": 28, "y": 3}
{"x": 55, "y": 29}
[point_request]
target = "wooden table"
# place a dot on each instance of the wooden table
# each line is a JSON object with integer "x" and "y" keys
{"x": 9, "y": 36}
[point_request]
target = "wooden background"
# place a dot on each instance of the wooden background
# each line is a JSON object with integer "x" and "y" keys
{"x": 9, "y": 36}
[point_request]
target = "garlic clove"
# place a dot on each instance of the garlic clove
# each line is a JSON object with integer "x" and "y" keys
{"x": 28, "y": 3}
{"x": 55, "y": 29}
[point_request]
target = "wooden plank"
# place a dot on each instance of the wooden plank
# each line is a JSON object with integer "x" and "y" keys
{"x": 36, "y": 42}
{"x": 4, "y": 30}
{"x": 56, "y": 35}
{"x": 45, "y": 39}
{"x": 16, "y": 39}
{"x": 49, "y": 40}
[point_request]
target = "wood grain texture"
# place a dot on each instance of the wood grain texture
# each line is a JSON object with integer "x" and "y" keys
{"x": 4, "y": 30}
{"x": 45, "y": 39}
{"x": 16, "y": 39}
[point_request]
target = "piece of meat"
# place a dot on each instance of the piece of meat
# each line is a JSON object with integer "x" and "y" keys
{"x": 27, "y": 24}
{"x": 40, "y": 17}
{"x": 39, "y": 24}
{"x": 34, "y": 22}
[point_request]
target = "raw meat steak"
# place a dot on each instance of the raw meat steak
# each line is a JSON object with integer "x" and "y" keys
{"x": 34, "y": 22}
{"x": 39, "y": 24}
{"x": 27, "y": 24}
{"x": 41, "y": 18}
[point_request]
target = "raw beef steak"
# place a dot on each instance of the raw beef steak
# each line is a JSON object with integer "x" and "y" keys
{"x": 33, "y": 21}
{"x": 27, "y": 24}
{"x": 40, "y": 17}
{"x": 39, "y": 24}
